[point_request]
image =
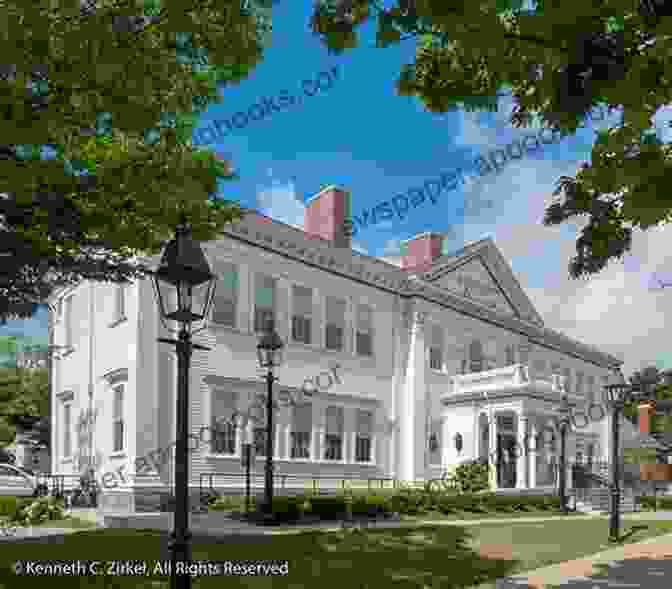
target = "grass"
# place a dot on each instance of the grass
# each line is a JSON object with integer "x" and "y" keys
{"x": 445, "y": 557}
{"x": 464, "y": 515}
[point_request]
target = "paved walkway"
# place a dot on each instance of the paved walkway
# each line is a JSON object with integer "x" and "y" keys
{"x": 646, "y": 564}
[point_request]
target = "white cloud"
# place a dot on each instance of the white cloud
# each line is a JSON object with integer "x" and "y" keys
{"x": 281, "y": 202}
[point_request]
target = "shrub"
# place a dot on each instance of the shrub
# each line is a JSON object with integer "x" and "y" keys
{"x": 649, "y": 503}
{"x": 409, "y": 502}
{"x": 370, "y": 505}
{"x": 288, "y": 509}
{"x": 470, "y": 477}
{"x": 8, "y": 506}
{"x": 328, "y": 507}
{"x": 38, "y": 510}
{"x": 230, "y": 503}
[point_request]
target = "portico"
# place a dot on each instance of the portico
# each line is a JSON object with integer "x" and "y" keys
{"x": 514, "y": 425}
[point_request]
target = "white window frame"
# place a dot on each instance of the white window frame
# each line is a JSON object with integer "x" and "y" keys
{"x": 441, "y": 349}
{"x": 325, "y": 446}
{"x": 120, "y": 302}
{"x": 371, "y": 330}
{"x": 343, "y": 300}
{"x": 292, "y": 314}
{"x": 360, "y": 437}
{"x": 67, "y": 431}
{"x": 276, "y": 293}
{"x": 435, "y": 427}
{"x": 68, "y": 323}
{"x": 293, "y": 432}
{"x": 118, "y": 418}
{"x": 236, "y": 298}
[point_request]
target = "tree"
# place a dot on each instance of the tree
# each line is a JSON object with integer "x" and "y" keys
{"x": 24, "y": 402}
{"x": 559, "y": 60}
{"x": 97, "y": 109}
{"x": 658, "y": 386}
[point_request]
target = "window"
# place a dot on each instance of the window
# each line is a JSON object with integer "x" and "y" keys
{"x": 120, "y": 302}
{"x": 436, "y": 349}
{"x": 579, "y": 382}
{"x": 225, "y": 300}
{"x": 118, "y": 417}
{"x": 590, "y": 386}
{"x": 435, "y": 441}
{"x": 566, "y": 372}
{"x": 363, "y": 439}
{"x": 539, "y": 366}
{"x": 301, "y": 430}
{"x": 224, "y": 404}
{"x": 364, "y": 340}
{"x": 335, "y": 328}
{"x": 302, "y": 299}
{"x": 333, "y": 446}
{"x": 67, "y": 427}
{"x": 475, "y": 356}
{"x": 265, "y": 297}
{"x": 68, "y": 322}
{"x": 510, "y": 354}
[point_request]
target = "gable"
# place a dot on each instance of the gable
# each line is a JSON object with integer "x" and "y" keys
{"x": 480, "y": 272}
{"x": 473, "y": 281}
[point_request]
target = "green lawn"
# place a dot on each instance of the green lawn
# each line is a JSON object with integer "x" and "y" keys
{"x": 443, "y": 557}
{"x": 493, "y": 515}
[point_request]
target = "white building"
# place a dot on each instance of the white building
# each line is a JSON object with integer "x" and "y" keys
{"x": 442, "y": 345}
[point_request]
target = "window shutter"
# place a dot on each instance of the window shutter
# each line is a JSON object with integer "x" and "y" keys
{"x": 265, "y": 291}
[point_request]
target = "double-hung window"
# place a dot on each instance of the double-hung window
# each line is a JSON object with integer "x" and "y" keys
{"x": 67, "y": 431}
{"x": 436, "y": 348}
{"x": 476, "y": 359}
{"x": 302, "y": 312}
{"x": 510, "y": 355}
{"x": 579, "y": 381}
{"x": 364, "y": 434}
{"x": 567, "y": 374}
{"x": 335, "y": 328}
{"x": 225, "y": 301}
{"x": 590, "y": 386}
{"x": 120, "y": 291}
{"x": 364, "y": 338}
{"x": 223, "y": 420}
{"x": 302, "y": 421}
{"x": 333, "y": 446}
{"x": 118, "y": 419}
{"x": 265, "y": 301}
{"x": 68, "y": 321}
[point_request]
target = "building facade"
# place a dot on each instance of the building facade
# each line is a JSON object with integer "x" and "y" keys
{"x": 436, "y": 359}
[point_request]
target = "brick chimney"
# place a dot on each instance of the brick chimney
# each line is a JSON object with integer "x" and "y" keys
{"x": 420, "y": 252}
{"x": 646, "y": 410}
{"x": 326, "y": 213}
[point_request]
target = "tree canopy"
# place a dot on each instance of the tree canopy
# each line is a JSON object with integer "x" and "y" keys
{"x": 24, "y": 402}
{"x": 658, "y": 385}
{"x": 559, "y": 60}
{"x": 97, "y": 108}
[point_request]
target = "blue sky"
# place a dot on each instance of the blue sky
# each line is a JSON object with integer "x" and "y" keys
{"x": 359, "y": 134}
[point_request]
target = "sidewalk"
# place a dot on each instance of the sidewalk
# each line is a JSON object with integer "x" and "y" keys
{"x": 638, "y": 560}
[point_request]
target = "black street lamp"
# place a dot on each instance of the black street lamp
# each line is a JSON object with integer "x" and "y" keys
{"x": 618, "y": 394}
{"x": 184, "y": 289}
{"x": 269, "y": 352}
{"x": 564, "y": 425}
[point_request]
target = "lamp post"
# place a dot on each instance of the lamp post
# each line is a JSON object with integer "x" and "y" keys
{"x": 182, "y": 281}
{"x": 269, "y": 352}
{"x": 564, "y": 424}
{"x": 618, "y": 393}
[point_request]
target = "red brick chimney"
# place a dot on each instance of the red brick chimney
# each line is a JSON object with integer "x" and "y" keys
{"x": 420, "y": 251}
{"x": 646, "y": 410}
{"x": 326, "y": 213}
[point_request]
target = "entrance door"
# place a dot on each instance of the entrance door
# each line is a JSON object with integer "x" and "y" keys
{"x": 506, "y": 461}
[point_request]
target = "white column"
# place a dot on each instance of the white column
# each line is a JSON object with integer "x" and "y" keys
{"x": 445, "y": 441}
{"x": 532, "y": 444}
{"x": 349, "y": 434}
{"x": 317, "y": 452}
{"x": 521, "y": 461}
{"x": 412, "y": 410}
{"x": 492, "y": 447}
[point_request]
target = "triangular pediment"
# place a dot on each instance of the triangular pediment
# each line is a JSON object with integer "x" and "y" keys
{"x": 480, "y": 273}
